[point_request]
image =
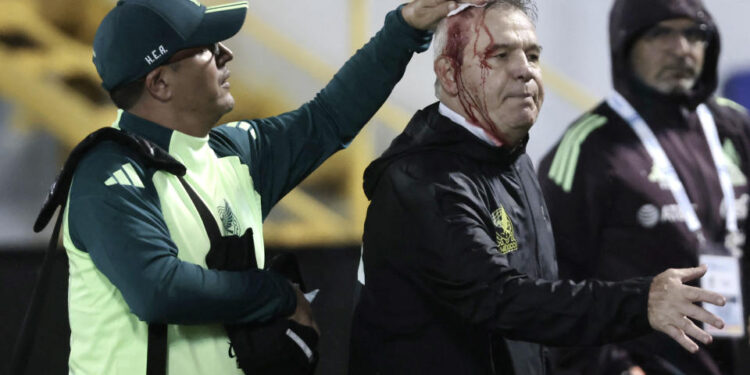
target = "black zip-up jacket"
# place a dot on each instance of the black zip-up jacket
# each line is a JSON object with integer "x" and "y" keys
{"x": 459, "y": 264}
{"x": 613, "y": 215}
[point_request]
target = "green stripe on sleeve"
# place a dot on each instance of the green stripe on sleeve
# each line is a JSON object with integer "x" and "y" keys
{"x": 130, "y": 171}
{"x": 121, "y": 178}
{"x": 563, "y": 150}
{"x": 724, "y": 102}
{"x": 567, "y": 183}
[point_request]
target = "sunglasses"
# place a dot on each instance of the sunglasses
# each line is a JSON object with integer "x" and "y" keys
{"x": 183, "y": 54}
{"x": 693, "y": 34}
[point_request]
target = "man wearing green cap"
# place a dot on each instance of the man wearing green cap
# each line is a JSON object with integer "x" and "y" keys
{"x": 135, "y": 239}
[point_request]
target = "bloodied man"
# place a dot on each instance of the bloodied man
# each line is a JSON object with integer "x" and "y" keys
{"x": 459, "y": 258}
{"x": 487, "y": 63}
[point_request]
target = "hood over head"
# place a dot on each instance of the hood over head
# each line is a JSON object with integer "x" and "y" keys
{"x": 629, "y": 19}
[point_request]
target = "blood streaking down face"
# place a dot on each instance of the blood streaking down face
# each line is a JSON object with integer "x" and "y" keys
{"x": 489, "y": 71}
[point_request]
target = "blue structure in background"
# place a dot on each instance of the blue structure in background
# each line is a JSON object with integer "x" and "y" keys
{"x": 737, "y": 88}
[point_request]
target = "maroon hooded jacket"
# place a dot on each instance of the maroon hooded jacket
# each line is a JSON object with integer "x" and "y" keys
{"x": 612, "y": 216}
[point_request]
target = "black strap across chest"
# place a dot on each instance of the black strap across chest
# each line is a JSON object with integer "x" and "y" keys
{"x": 212, "y": 227}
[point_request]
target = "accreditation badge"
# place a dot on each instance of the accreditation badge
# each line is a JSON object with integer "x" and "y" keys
{"x": 723, "y": 277}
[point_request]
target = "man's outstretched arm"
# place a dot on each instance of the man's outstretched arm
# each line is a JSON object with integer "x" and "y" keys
{"x": 454, "y": 260}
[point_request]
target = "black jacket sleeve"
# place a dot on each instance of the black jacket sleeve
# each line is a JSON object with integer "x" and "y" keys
{"x": 434, "y": 233}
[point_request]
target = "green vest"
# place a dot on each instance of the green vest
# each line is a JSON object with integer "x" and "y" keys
{"x": 137, "y": 246}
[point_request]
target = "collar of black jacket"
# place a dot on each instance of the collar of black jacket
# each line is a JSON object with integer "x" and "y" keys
{"x": 429, "y": 131}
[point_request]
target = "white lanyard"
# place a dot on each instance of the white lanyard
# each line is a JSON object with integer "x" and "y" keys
{"x": 661, "y": 161}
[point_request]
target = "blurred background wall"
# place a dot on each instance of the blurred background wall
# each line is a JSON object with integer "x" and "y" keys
{"x": 50, "y": 98}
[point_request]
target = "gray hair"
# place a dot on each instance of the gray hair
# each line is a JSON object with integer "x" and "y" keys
{"x": 528, "y": 7}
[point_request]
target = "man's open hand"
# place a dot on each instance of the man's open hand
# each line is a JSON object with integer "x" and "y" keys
{"x": 670, "y": 304}
{"x": 425, "y": 14}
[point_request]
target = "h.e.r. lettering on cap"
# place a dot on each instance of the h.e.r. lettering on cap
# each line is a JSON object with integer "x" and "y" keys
{"x": 155, "y": 54}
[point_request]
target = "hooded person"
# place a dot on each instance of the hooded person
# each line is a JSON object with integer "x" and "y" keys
{"x": 617, "y": 214}
{"x": 459, "y": 260}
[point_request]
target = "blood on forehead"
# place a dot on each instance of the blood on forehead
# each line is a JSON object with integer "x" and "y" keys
{"x": 460, "y": 30}
{"x": 462, "y": 27}
{"x": 457, "y": 36}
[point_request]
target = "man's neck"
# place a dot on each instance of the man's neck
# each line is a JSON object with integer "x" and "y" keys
{"x": 184, "y": 122}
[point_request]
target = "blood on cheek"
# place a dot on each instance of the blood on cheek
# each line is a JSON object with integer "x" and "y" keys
{"x": 474, "y": 103}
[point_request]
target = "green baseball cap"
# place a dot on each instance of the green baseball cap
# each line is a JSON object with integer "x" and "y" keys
{"x": 139, "y": 35}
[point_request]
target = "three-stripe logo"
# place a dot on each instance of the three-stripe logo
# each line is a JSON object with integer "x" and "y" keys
{"x": 125, "y": 176}
{"x": 565, "y": 161}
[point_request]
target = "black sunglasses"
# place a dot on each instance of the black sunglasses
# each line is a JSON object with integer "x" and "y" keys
{"x": 183, "y": 54}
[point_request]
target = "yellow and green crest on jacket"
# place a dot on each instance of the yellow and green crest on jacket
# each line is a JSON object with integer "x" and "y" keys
{"x": 506, "y": 240}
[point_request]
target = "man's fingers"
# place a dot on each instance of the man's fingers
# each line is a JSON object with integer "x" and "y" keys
{"x": 678, "y": 335}
{"x": 702, "y": 295}
{"x": 701, "y": 314}
{"x": 425, "y": 14}
{"x": 457, "y": 3}
{"x": 694, "y": 331}
{"x": 440, "y": 3}
{"x": 442, "y": 10}
{"x": 687, "y": 274}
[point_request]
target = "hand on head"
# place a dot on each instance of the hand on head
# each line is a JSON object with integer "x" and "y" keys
{"x": 425, "y": 14}
{"x": 671, "y": 306}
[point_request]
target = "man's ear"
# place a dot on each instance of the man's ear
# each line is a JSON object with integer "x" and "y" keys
{"x": 445, "y": 70}
{"x": 157, "y": 84}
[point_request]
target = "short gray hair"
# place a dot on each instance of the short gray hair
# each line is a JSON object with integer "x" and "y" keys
{"x": 528, "y": 7}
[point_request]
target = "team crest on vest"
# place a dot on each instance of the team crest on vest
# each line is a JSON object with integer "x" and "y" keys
{"x": 506, "y": 240}
{"x": 228, "y": 220}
